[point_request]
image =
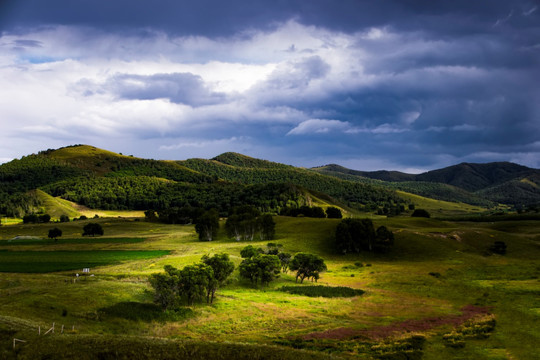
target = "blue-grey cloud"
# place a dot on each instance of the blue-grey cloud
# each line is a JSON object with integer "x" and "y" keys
{"x": 182, "y": 88}
{"x": 403, "y": 83}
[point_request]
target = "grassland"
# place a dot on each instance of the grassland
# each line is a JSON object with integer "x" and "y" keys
{"x": 438, "y": 283}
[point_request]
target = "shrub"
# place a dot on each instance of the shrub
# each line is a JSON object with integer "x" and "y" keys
{"x": 420, "y": 213}
{"x": 92, "y": 229}
{"x": 322, "y": 291}
{"x": 498, "y": 247}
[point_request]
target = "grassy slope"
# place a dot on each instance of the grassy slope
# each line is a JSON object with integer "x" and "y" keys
{"x": 398, "y": 287}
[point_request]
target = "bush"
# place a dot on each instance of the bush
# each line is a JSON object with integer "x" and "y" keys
{"x": 333, "y": 213}
{"x": 498, "y": 247}
{"x": 322, "y": 291}
{"x": 92, "y": 229}
{"x": 420, "y": 213}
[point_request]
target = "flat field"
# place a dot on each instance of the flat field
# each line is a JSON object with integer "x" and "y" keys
{"x": 438, "y": 294}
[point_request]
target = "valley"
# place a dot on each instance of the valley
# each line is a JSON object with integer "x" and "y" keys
{"x": 439, "y": 292}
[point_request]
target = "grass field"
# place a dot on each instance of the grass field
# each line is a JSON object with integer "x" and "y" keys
{"x": 437, "y": 295}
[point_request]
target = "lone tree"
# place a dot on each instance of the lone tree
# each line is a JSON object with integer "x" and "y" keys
{"x": 64, "y": 218}
{"x": 307, "y": 266}
{"x": 55, "y": 233}
{"x": 92, "y": 229}
{"x": 222, "y": 267}
{"x": 207, "y": 225}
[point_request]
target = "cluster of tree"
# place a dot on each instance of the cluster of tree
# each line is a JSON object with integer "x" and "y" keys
{"x": 18, "y": 204}
{"x": 356, "y": 235}
{"x": 260, "y": 266}
{"x": 207, "y": 225}
{"x": 245, "y": 222}
{"x": 142, "y": 192}
{"x": 34, "y": 171}
{"x": 191, "y": 283}
{"x": 36, "y": 218}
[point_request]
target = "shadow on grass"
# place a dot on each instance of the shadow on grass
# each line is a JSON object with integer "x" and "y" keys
{"x": 137, "y": 311}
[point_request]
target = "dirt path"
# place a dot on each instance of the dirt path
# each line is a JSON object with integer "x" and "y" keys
{"x": 380, "y": 332}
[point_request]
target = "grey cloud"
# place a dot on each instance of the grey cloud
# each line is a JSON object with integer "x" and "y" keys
{"x": 298, "y": 74}
{"x": 181, "y": 88}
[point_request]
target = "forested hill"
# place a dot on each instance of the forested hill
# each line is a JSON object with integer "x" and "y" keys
{"x": 102, "y": 179}
{"x": 497, "y": 182}
{"x": 243, "y": 169}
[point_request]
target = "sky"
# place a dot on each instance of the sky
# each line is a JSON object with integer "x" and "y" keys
{"x": 389, "y": 84}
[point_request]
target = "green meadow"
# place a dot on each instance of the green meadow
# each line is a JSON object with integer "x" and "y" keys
{"x": 438, "y": 294}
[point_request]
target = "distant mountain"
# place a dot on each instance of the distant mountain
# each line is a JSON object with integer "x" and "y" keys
{"x": 498, "y": 182}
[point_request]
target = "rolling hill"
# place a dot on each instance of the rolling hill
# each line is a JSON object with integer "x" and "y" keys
{"x": 100, "y": 179}
{"x": 477, "y": 184}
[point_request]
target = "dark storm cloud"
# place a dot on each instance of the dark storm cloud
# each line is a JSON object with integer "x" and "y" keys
{"x": 223, "y": 18}
{"x": 423, "y": 83}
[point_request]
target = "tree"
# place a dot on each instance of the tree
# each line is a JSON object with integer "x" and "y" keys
{"x": 222, "y": 267}
{"x": 285, "y": 259}
{"x": 242, "y": 222}
{"x": 333, "y": 213}
{"x": 266, "y": 226}
{"x": 150, "y": 215}
{"x": 420, "y": 213}
{"x": 64, "y": 218}
{"x": 195, "y": 280}
{"x": 207, "y": 225}
{"x": 354, "y": 235}
{"x": 250, "y": 251}
{"x": 263, "y": 268}
{"x": 92, "y": 229}
{"x": 166, "y": 287}
{"x": 55, "y": 233}
{"x": 44, "y": 218}
{"x": 307, "y": 266}
{"x": 384, "y": 239}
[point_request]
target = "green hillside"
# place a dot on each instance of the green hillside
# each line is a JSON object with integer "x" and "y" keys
{"x": 475, "y": 184}
{"x": 353, "y": 194}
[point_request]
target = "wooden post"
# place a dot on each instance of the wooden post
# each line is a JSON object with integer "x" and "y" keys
{"x": 62, "y": 330}
{"x": 39, "y": 330}
{"x": 15, "y": 340}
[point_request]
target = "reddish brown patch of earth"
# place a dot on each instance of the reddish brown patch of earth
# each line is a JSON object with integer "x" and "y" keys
{"x": 380, "y": 332}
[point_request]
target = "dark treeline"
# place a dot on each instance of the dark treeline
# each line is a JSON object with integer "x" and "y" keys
{"x": 34, "y": 171}
{"x": 142, "y": 192}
